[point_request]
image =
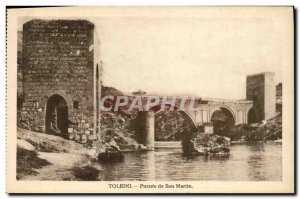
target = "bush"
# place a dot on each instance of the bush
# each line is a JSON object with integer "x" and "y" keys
{"x": 46, "y": 147}
{"x": 86, "y": 173}
{"x": 27, "y": 162}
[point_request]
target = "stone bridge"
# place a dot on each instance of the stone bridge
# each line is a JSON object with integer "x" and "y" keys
{"x": 238, "y": 109}
{"x": 201, "y": 112}
{"x": 61, "y": 88}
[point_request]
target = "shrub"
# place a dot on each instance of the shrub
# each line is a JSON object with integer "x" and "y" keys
{"x": 27, "y": 162}
{"x": 86, "y": 173}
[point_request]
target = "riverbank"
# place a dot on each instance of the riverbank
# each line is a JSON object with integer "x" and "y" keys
{"x": 48, "y": 157}
{"x": 42, "y": 156}
{"x": 266, "y": 131}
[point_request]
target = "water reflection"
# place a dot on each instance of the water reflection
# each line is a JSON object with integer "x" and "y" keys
{"x": 245, "y": 162}
{"x": 260, "y": 159}
{"x": 256, "y": 162}
{"x": 209, "y": 158}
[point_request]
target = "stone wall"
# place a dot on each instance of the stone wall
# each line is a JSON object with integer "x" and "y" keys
{"x": 58, "y": 58}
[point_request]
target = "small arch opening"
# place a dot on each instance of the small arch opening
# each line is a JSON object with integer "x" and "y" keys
{"x": 252, "y": 118}
{"x": 57, "y": 116}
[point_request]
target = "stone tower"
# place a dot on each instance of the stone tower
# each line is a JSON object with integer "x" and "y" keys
{"x": 60, "y": 76}
{"x": 261, "y": 90}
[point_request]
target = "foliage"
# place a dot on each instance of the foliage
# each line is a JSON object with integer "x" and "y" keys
{"x": 27, "y": 162}
{"x": 86, "y": 173}
{"x": 171, "y": 125}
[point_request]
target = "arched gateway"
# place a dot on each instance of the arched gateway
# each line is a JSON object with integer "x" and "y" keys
{"x": 57, "y": 121}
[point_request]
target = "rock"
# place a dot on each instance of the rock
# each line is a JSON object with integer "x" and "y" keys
{"x": 98, "y": 136}
{"x": 71, "y": 136}
{"x": 113, "y": 146}
{"x": 264, "y": 122}
{"x": 70, "y": 130}
{"x": 278, "y": 141}
{"x": 83, "y": 138}
{"x": 270, "y": 131}
{"x": 209, "y": 129}
{"x": 77, "y": 137}
{"x": 42, "y": 128}
{"x": 100, "y": 147}
{"x": 116, "y": 137}
{"x": 141, "y": 147}
{"x": 92, "y": 137}
{"x": 205, "y": 144}
{"x": 122, "y": 120}
{"x": 25, "y": 145}
{"x": 93, "y": 152}
{"x": 25, "y": 126}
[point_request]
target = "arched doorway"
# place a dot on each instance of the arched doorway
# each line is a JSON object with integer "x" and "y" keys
{"x": 252, "y": 118}
{"x": 57, "y": 115}
{"x": 223, "y": 121}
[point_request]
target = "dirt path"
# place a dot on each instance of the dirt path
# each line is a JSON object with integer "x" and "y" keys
{"x": 67, "y": 155}
{"x": 60, "y": 168}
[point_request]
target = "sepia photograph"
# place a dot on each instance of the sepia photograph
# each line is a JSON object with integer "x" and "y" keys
{"x": 184, "y": 98}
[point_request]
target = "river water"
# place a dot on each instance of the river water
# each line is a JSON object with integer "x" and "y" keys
{"x": 246, "y": 162}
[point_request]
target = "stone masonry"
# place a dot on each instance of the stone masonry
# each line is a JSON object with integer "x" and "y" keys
{"x": 261, "y": 89}
{"x": 59, "y": 77}
{"x": 62, "y": 84}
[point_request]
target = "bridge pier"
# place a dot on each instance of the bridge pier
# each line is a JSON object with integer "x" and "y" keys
{"x": 146, "y": 129}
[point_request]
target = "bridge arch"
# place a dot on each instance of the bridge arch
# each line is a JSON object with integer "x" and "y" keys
{"x": 157, "y": 109}
{"x": 172, "y": 125}
{"x": 146, "y": 123}
{"x": 226, "y": 109}
{"x": 223, "y": 119}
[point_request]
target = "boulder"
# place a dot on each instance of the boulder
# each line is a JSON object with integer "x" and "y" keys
{"x": 83, "y": 138}
{"x": 141, "y": 147}
{"x": 70, "y": 130}
{"x": 77, "y": 137}
{"x": 93, "y": 152}
{"x": 71, "y": 136}
{"x": 25, "y": 145}
{"x": 205, "y": 144}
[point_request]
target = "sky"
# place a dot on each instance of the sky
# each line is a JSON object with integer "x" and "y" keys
{"x": 200, "y": 57}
